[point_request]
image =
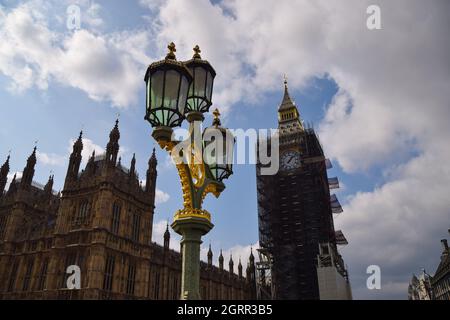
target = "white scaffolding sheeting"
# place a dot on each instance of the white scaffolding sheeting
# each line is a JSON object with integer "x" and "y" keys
{"x": 333, "y": 183}
{"x": 335, "y": 205}
{"x": 340, "y": 238}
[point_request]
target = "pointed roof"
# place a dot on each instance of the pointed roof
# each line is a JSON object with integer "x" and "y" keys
{"x": 78, "y": 145}
{"x": 49, "y": 186}
{"x": 287, "y": 102}
{"x": 252, "y": 257}
{"x": 133, "y": 161}
{"x": 12, "y": 185}
{"x": 210, "y": 254}
{"x": 32, "y": 158}
{"x": 167, "y": 232}
{"x": 5, "y": 166}
{"x": 114, "y": 135}
{"x": 153, "y": 161}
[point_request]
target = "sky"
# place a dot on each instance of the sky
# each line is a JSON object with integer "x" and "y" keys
{"x": 378, "y": 99}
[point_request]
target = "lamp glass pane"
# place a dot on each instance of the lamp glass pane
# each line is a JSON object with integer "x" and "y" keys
{"x": 171, "y": 89}
{"x": 156, "y": 92}
{"x": 148, "y": 94}
{"x": 200, "y": 82}
{"x": 183, "y": 94}
{"x": 209, "y": 84}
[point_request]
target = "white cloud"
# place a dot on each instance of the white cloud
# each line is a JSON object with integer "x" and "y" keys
{"x": 92, "y": 15}
{"x": 398, "y": 225}
{"x": 33, "y": 55}
{"x": 50, "y": 159}
{"x": 161, "y": 196}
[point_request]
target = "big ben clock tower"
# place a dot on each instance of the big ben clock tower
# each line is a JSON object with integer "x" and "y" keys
{"x": 299, "y": 255}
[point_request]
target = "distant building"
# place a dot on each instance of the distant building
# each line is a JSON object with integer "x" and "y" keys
{"x": 420, "y": 287}
{"x": 299, "y": 257}
{"x": 102, "y": 222}
{"x": 440, "y": 282}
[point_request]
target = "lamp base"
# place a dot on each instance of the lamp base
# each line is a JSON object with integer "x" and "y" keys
{"x": 163, "y": 135}
{"x": 195, "y": 116}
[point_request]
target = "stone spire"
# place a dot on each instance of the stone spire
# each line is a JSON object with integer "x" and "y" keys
{"x": 75, "y": 160}
{"x": 210, "y": 256}
{"x": 287, "y": 102}
{"x": 252, "y": 257}
{"x": 133, "y": 166}
{"x": 150, "y": 183}
{"x": 251, "y": 272}
{"x": 90, "y": 167}
{"x": 4, "y": 170}
{"x": 12, "y": 185}
{"x": 49, "y": 186}
{"x": 240, "y": 268}
{"x": 28, "y": 171}
{"x": 231, "y": 264}
{"x": 221, "y": 260}
{"x": 288, "y": 115}
{"x": 167, "y": 237}
{"x": 112, "y": 148}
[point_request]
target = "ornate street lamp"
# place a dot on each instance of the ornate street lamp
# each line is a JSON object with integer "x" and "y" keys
{"x": 177, "y": 91}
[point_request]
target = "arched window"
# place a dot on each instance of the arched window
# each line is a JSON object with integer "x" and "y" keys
{"x": 83, "y": 213}
{"x": 156, "y": 287}
{"x": 135, "y": 227}
{"x": 131, "y": 277}
{"x": 108, "y": 276}
{"x": 115, "y": 218}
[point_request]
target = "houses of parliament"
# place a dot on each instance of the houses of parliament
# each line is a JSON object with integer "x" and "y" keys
{"x": 101, "y": 222}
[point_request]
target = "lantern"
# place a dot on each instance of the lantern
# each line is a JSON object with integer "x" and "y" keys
{"x": 200, "y": 90}
{"x": 219, "y": 145}
{"x": 167, "y": 83}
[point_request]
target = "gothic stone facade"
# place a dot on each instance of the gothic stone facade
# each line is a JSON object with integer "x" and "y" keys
{"x": 440, "y": 282}
{"x": 102, "y": 222}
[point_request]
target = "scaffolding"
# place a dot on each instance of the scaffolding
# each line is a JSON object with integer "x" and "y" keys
{"x": 335, "y": 205}
{"x": 289, "y": 207}
{"x": 264, "y": 282}
{"x": 333, "y": 183}
{"x": 340, "y": 238}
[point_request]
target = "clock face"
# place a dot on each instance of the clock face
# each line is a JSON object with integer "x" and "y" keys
{"x": 290, "y": 160}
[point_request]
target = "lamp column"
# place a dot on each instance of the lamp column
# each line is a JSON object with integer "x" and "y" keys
{"x": 191, "y": 230}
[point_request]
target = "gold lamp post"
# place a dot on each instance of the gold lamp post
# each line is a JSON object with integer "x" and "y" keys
{"x": 178, "y": 91}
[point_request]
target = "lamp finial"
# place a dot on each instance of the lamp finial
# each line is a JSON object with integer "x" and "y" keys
{"x": 172, "y": 50}
{"x": 216, "y": 121}
{"x": 197, "y": 52}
